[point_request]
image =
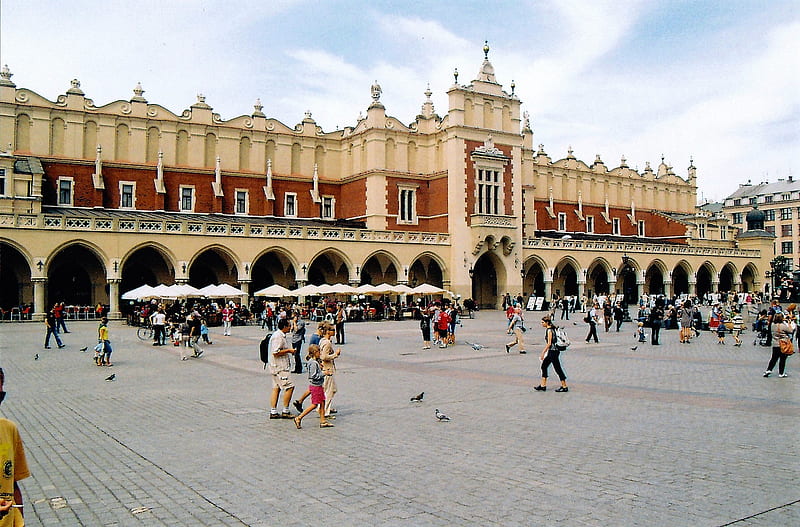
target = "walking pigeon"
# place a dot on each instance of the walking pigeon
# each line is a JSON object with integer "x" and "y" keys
{"x": 111, "y": 377}
{"x": 36, "y": 357}
{"x": 418, "y": 398}
{"x": 83, "y": 349}
{"x": 440, "y": 416}
{"x": 474, "y": 345}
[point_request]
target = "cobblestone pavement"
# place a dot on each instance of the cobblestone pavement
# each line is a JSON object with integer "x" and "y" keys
{"x": 670, "y": 435}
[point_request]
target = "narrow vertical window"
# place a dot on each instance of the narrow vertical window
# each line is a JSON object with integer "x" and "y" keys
{"x": 187, "y": 199}
{"x": 590, "y": 224}
{"x": 328, "y": 207}
{"x": 241, "y": 202}
{"x": 2, "y": 181}
{"x": 615, "y": 226}
{"x": 65, "y": 191}
{"x": 290, "y": 205}
{"x": 126, "y": 196}
{"x": 640, "y": 225}
{"x": 562, "y": 221}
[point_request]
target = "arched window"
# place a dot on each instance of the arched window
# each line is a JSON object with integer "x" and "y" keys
{"x": 244, "y": 154}
{"x": 182, "y": 148}
{"x": 269, "y": 152}
{"x": 152, "y": 145}
{"x": 319, "y": 158}
{"x": 390, "y": 148}
{"x": 412, "y": 156}
{"x": 22, "y": 136}
{"x": 90, "y": 140}
{"x": 57, "y": 136}
{"x": 296, "y": 149}
{"x": 210, "y": 157}
{"x": 121, "y": 143}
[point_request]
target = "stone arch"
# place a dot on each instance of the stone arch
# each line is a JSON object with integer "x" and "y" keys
{"x": 274, "y": 265}
{"x": 90, "y": 140}
{"x": 182, "y": 147}
{"x": 412, "y": 156}
{"x": 329, "y": 266}
{"x": 210, "y": 150}
{"x": 22, "y": 133}
{"x": 244, "y": 153}
{"x": 16, "y": 287}
{"x": 76, "y": 274}
{"x": 565, "y": 277}
{"x": 488, "y": 276}
{"x": 121, "y": 140}
{"x": 748, "y": 278}
{"x": 680, "y": 278}
{"x": 296, "y": 151}
{"x": 390, "y": 148}
{"x": 213, "y": 264}
{"x": 269, "y": 151}
{"x": 426, "y": 268}
{"x": 654, "y": 278}
{"x": 627, "y": 279}
{"x": 147, "y": 263}
{"x": 57, "y": 132}
{"x": 704, "y": 279}
{"x": 319, "y": 159}
{"x": 152, "y": 147}
{"x": 597, "y": 277}
{"x": 379, "y": 267}
{"x": 533, "y": 272}
{"x": 727, "y": 277}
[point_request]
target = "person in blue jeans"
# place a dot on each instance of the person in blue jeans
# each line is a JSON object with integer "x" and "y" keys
{"x": 52, "y": 329}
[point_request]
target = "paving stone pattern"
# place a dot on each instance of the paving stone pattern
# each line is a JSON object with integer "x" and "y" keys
{"x": 670, "y": 435}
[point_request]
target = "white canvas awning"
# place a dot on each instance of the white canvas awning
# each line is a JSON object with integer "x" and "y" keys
{"x": 428, "y": 289}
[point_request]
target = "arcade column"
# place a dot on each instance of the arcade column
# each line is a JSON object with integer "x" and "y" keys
{"x": 39, "y": 307}
{"x": 113, "y": 298}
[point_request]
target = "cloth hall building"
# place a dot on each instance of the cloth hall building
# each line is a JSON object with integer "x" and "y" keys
{"x": 97, "y": 200}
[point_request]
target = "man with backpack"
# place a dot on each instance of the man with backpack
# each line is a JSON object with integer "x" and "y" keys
{"x": 279, "y": 366}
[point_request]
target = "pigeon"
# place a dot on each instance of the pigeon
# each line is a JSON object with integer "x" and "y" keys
{"x": 440, "y": 416}
{"x": 83, "y": 349}
{"x": 418, "y": 398}
{"x": 378, "y": 337}
{"x": 634, "y": 348}
{"x": 474, "y": 345}
{"x": 111, "y": 377}
{"x": 36, "y": 357}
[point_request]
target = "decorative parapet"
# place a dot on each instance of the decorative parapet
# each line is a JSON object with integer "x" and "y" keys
{"x": 486, "y": 220}
{"x": 633, "y": 248}
{"x": 93, "y": 222}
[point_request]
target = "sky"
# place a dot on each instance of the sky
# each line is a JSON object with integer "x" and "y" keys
{"x": 717, "y": 82}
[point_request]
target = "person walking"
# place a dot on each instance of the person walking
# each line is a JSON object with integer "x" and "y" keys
{"x": 425, "y": 328}
{"x": 591, "y": 319}
{"x": 564, "y": 308}
{"x": 685, "y": 316}
{"x": 340, "y": 318}
{"x": 619, "y": 315}
{"x": 15, "y": 468}
{"x": 103, "y": 338}
{"x": 52, "y": 329}
{"x": 781, "y": 331}
{"x": 279, "y": 369}
{"x": 328, "y": 357}
{"x": 550, "y": 355}
{"x": 517, "y": 326}
{"x": 656, "y": 316}
{"x": 298, "y": 337}
{"x": 738, "y": 327}
{"x": 195, "y": 327}
{"x": 316, "y": 378}
{"x": 61, "y": 316}
{"x": 227, "y": 319}
{"x": 159, "y": 320}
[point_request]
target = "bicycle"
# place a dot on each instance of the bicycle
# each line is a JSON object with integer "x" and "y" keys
{"x": 145, "y": 332}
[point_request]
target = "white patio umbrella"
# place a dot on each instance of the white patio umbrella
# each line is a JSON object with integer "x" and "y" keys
{"x": 185, "y": 291}
{"x": 306, "y": 290}
{"x": 162, "y": 291}
{"x": 384, "y": 289}
{"x": 275, "y": 290}
{"x": 228, "y": 291}
{"x": 403, "y": 289}
{"x": 365, "y": 289}
{"x": 428, "y": 289}
{"x": 326, "y": 289}
{"x": 209, "y": 290}
{"x": 143, "y": 291}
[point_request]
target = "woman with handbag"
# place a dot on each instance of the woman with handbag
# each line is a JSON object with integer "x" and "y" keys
{"x": 781, "y": 345}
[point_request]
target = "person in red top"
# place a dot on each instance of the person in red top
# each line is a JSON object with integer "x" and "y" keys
{"x": 443, "y": 325}
{"x": 61, "y": 325}
{"x": 227, "y": 318}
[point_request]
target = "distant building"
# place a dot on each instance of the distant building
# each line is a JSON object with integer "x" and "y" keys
{"x": 97, "y": 200}
{"x": 780, "y": 203}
